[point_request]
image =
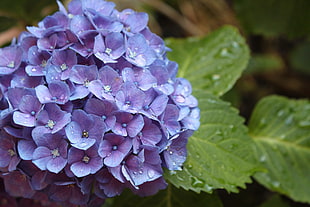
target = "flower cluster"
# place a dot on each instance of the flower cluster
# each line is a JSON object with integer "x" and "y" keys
{"x": 91, "y": 105}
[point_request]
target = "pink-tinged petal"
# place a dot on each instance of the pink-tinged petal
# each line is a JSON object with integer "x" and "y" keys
{"x": 56, "y": 164}
{"x": 43, "y": 94}
{"x": 25, "y": 149}
{"x": 80, "y": 169}
{"x": 135, "y": 126}
{"x": 24, "y": 119}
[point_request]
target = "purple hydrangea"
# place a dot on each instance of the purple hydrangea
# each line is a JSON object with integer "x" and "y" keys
{"x": 90, "y": 105}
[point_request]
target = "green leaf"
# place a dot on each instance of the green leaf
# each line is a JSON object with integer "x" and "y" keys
{"x": 171, "y": 197}
{"x": 274, "y": 17}
{"x": 220, "y": 153}
{"x": 281, "y": 129}
{"x": 214, "y": 62}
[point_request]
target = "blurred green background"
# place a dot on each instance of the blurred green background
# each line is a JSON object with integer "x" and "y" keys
{"x": 277, "y": 32}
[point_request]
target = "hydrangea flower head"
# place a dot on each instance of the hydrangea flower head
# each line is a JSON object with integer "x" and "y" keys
{"x": 91, "y": 105}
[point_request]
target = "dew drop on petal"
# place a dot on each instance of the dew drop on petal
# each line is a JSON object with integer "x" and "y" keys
{"x": 11, "y": 64}
{"x": 150, "y": 173}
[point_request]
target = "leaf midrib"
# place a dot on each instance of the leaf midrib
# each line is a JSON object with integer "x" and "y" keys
{"x": 278, "y": 141}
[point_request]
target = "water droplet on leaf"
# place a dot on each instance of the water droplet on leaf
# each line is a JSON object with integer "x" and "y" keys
{"x": 197, "y": 183}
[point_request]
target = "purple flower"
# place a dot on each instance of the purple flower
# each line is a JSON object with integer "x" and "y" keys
{"x": 113, "y": 148}
{"x": 150, "y": 135}
{"x": 175, "y": 154}
{"x": 51, "y": 119}
{"x": 26, "y": 114}
{"x": 139, "y": 52}
{"x": 85, "y": 130}
{"x": 102, "y": 108}
{"x": 56, "y": 92}
{"x": 21, "y": 79}
{"x": 105, "y": 25}
{"x": 26, "y": 148}
{"x": 93, "y": 106}
{"x": 154, "y": 104}
{"x": 67, "y": 191}
{"x": 142, "y": 78}
{"x": 151, "y": 187}
{"x": 84, "y": 47}
{"x": 82, "y": 75}
{"x": 134, "y": 22}
{"x": 192, "y": 120}
{"x": 107, "y": 85}
{"x": 129, "y": 98}
{"x": 8, "y": 154}
{"x": 108, "y": 49}
{"x": 65, "y": 60}
{"x": 161, "y": 73}
{"x": 155, "y": 42}
{"x": 15, "y": 95}
{"x": 81, "y": 26}
{"x": 142, "y": 168}
{"x": 37, "y": 61}
{"x": 182, "y": 93}
{"x": 10, "y": 59}
{"x": 108, "y": 184}
{"x": 127, "y": 124}
{"x": 17, "y": 184}
{"x": 51, "y": 152}
{"x": 169, "y": 120}
{"x": 101, "y": 7}
{"x": 84, "y": 162}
